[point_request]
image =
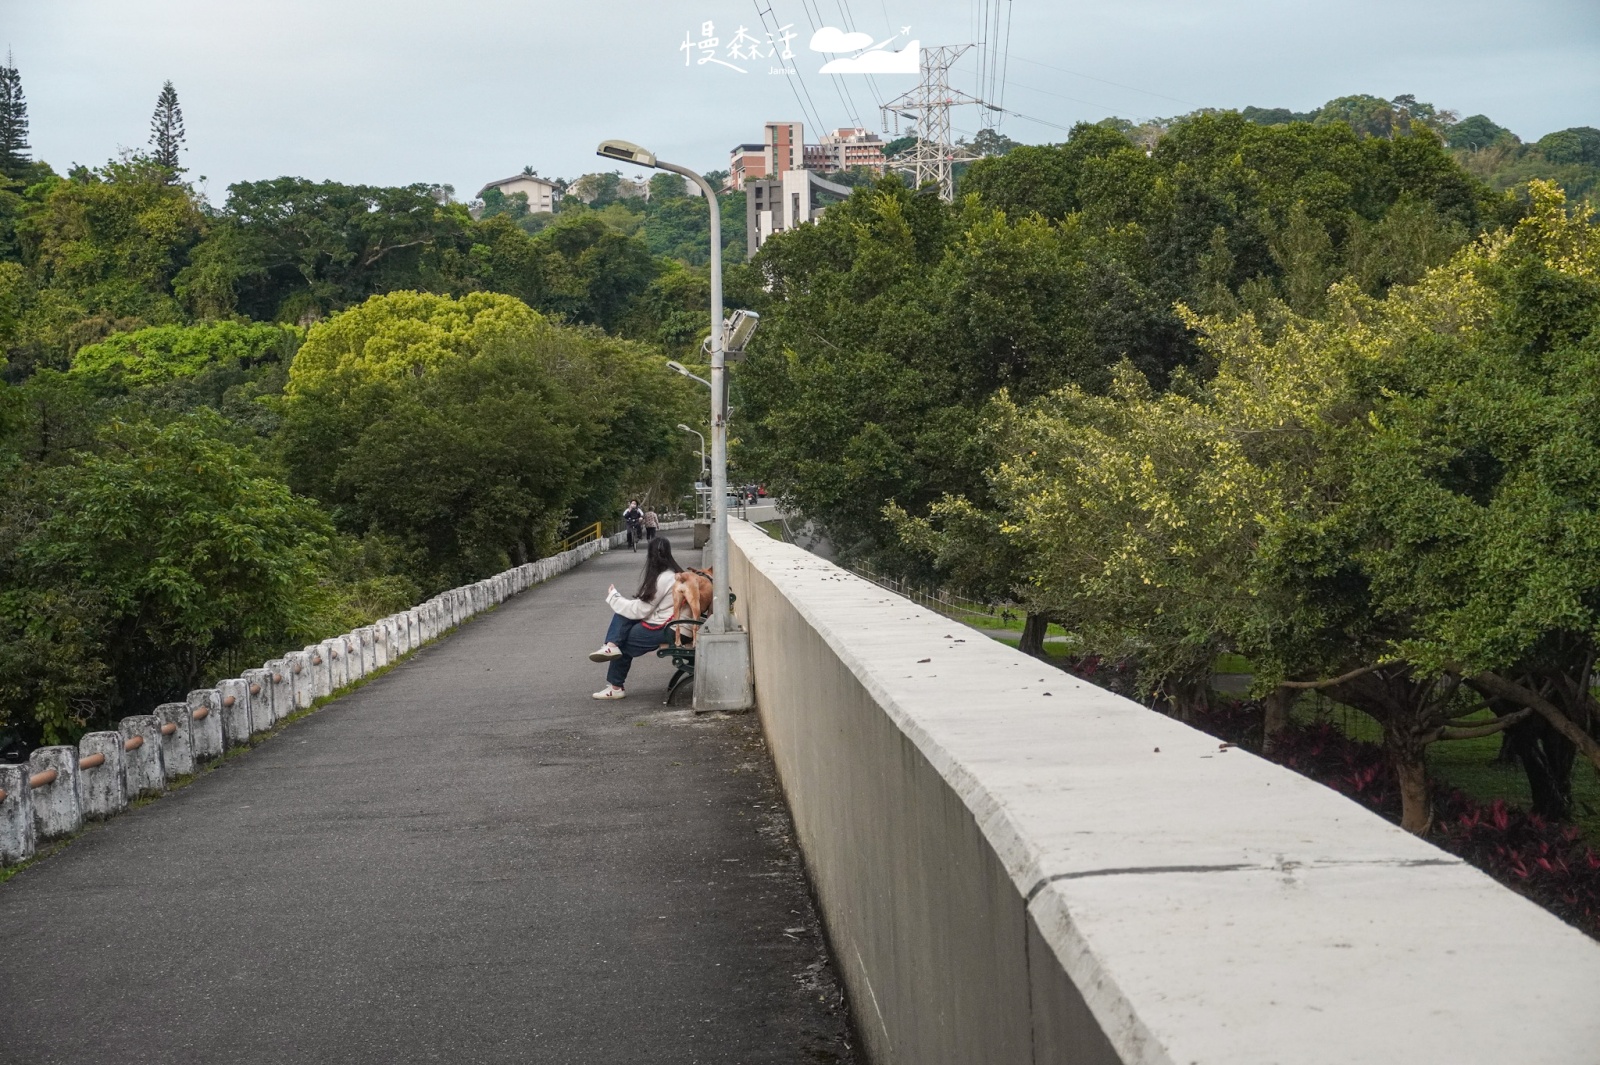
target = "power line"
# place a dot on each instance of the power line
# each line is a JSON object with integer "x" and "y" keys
{"x": 1005, "y": 70}
{"x": 1103, "y": 81}
{"x": 1030, "y": 118}
{"x": 1062, "y": 96}
{"x": 790, "y": 70}
{"x": 850, "y": 23}
{"x": 845, "y": 100}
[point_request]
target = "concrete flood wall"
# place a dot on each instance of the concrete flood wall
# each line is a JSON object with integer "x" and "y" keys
{"x": 1015, "y": 866}
{"x": 50, "y": 797}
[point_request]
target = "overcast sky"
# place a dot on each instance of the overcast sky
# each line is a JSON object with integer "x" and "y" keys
{"x": 396, "y": 91}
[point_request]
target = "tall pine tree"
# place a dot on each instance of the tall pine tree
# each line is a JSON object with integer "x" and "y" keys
{"x": 166, "y": 129}
{"x": 13, "y": 121}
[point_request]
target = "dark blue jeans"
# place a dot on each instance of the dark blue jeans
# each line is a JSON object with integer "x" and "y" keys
{"x": 634, "y": 641}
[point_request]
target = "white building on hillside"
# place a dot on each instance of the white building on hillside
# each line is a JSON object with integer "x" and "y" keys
{"x": 543, "y": 195}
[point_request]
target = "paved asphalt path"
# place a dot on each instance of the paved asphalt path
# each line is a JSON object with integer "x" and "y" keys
{"x": 465, "y": 860}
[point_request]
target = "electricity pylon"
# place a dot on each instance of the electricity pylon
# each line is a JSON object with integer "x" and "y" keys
{"x": 934, "y": 155}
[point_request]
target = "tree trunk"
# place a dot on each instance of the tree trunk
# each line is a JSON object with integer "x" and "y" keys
{"x": 1190, "y": 696}
{"x": 1033, "y": 630}
{"x": 1275, "y": 716}
{"x": 1547, "y": 759}
{"x": 1416, "y": 806}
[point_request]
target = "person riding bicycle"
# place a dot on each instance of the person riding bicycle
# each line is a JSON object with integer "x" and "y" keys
{"x": 633, "y": 517}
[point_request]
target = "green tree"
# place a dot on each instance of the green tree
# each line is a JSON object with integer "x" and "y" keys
{"x": 1476, "y": 132}
{"x": 14, "y": 158}
{"x": 152, "y": 556}
{"x": 166, "y": 130}
{"x": 162, "y": 353}
{"x": 1580, "y": 145}
{"x": 100, "y": 252}
{"x": 471, "y": 430}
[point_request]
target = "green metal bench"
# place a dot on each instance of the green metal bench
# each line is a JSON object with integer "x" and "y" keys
{"x": 683, "y": 657}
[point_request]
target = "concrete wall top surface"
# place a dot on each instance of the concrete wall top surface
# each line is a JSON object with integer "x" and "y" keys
{"x": 1209, "y": 905}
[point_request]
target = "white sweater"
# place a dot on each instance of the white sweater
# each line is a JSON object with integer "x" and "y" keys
{"x": 656, "y": 612}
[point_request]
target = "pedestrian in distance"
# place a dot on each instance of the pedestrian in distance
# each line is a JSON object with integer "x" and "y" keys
{"x": 652, "y": 522}
{"x": 638, "y": 624}
{"x": 633, "y": 518}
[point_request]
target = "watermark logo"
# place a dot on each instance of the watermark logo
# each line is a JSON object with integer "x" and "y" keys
{"x": 870, "y": 58}
{"x": 744, "y": 47}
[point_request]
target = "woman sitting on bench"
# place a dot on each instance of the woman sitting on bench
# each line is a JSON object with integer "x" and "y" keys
{"x": 638, "y": 625}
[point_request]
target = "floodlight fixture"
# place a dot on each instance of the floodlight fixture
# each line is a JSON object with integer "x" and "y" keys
{"x": 740, "y": 328}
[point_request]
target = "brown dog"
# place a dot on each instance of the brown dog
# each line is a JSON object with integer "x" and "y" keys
{"x": 691, "y": 598}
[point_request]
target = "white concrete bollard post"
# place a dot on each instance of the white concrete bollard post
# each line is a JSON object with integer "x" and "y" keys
{"x": 360, "y": 646}
{"x": 16, "y": 815}
{"x": 321, "y": 671}
{"x": 280, "y": 675}
{"x": 102, "y": 778}
{"x": 338, "y": 663}
{"x": 205, "y": 731}
{"x": 53, "y": 778}
{"x": 304, "y": 676}
{"x": 380, "y": 644}
{"x": 258, "y": 686}
{"x": 316, "y": 674}
{"x": 402, "y": 636}
{"x": 141, "y": 755}
{"x": 177, "y": 739}
{"x": 233, "y": 699}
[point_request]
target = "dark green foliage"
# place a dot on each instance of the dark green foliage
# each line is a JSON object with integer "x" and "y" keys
{"x": 1275, "y": 116}
{"x": 290, "y": 248}
{"x": 1579, "y": 145}
{"x": 13, "y": 122}
{"x": 166, "y": 130}
{"x": 894, "y": 321}
{"x": 127, "y": 571}
{"x": 1475, "y": 132}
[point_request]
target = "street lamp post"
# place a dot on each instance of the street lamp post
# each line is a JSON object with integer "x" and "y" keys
{"x": 702, "y": 437}
{"x": 722, "y": 651}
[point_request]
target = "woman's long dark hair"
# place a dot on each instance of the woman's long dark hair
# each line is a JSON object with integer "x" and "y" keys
{"x": 657, "y": 560}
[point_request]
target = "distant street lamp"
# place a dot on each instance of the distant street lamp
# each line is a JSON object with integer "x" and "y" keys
{"x": 678, "y": 367}
{"x": 722, "y": 654}
{"x": 686, "y": 429}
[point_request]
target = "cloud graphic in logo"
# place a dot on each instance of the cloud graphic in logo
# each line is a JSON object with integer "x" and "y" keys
{"x": 905, "y": 61}
{"x": 833, "y": 39}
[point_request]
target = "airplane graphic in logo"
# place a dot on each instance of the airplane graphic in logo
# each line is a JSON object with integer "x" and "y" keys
{"x": 871, "y": 58}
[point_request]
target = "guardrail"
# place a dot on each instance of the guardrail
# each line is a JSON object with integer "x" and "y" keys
{"x": 582, "y": 536}
{"x": 1016, "y": 867}
{"x": 51, "y": 796}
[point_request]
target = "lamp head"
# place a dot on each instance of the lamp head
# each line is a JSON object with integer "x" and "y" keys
{"x": 741, "y": 327}
{"x": 685, "y": 428}
{"x": 627, "y": 152}
{"x": 678, "y": 367}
